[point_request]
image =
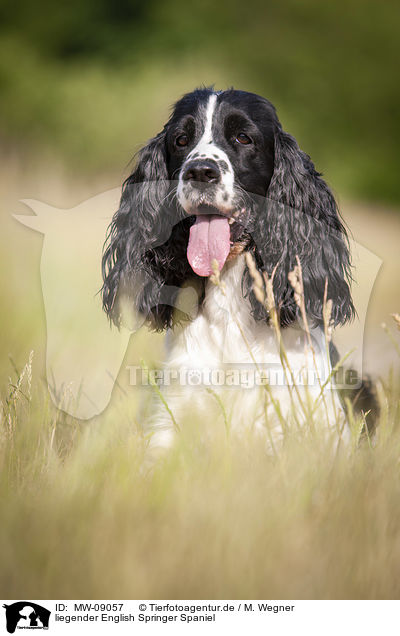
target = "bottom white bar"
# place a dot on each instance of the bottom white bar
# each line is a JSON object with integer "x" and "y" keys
{"x": 200, "y": 617}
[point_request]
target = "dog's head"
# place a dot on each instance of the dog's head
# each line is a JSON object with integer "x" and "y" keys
{"x": 223, "y": 177}
{"x": 221, "y": 147}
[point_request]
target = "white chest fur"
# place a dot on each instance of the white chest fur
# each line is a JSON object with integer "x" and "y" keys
{"x": 224, "y": 339}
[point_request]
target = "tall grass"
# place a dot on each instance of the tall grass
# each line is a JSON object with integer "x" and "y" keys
{"x": 218, "y": 517}
{"x": 82, "y": 517}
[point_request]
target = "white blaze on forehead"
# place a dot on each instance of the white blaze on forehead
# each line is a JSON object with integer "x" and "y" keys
{"x": 205, "y": 144}
{"x": 207, "y": 149}
{"x": 207, "y": 135}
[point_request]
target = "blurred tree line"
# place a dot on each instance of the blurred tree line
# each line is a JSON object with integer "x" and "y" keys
{"x": 90, "y": 80}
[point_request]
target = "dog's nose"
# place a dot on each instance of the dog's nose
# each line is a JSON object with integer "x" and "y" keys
{"x": 202, "y": 172}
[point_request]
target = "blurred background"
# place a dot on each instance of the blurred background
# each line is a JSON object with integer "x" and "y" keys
{"x": 84, "y": 84}
{"x": 88, "y": 81}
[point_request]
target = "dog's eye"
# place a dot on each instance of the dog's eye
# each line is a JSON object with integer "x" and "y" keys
{"x": 182, "y": 140}
{"x": 243, "y": 139}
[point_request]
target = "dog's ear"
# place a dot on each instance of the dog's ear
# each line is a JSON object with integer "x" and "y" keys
{"x": 301, "y": 219}
{"x": 137, "y": 261}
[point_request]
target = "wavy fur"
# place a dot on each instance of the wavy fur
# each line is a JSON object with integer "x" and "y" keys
{"x": 145, "y": 258}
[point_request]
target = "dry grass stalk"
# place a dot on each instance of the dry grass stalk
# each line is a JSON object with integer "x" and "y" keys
{"x": 327, "y": 314}
{"x": 258, "y": 286}
{"x": 216, "y": 280}
{"x": 270, "y": 301}
{"x": 390, "y": 334}
{"x": 267, "y": 299}
{"x": 295, "y": 278}
{"x": 396, "y": 318}
{"x": 215, "y": 277}
{"x": 296, "y": 281}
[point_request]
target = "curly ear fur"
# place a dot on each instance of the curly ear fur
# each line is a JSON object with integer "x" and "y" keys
{"x": 145, "y": 237}
{"x": 145, "y": 261}
{"x": 300, "y": 217}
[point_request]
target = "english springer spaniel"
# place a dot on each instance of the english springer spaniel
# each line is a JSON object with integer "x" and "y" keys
{"x": 222, "y": 180}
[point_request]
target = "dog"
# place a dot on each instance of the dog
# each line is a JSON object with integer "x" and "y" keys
{"x": 221, "y": 201}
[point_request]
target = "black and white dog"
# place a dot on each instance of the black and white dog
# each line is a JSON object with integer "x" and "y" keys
{"x": 222, "y": 179}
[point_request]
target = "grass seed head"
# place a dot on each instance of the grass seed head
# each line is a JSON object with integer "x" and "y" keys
{"x": 295, "y": 279}
{"x": 396, "y": 318}
{"x": 258, "y": 286}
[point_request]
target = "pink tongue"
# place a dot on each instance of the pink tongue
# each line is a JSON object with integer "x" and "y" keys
{"x": 209, "y": 238}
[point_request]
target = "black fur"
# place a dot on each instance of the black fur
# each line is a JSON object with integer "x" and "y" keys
{"x": 290, "y": 211}
{"x": 146, "y": 241}
{"x": 300, "y": 218}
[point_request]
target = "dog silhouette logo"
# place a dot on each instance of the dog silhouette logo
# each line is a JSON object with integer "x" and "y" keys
{"x": 26, "y": 615}
{"x": 84, "y": 354}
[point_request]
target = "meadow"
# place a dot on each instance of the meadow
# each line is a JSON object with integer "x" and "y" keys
{"x": 83, "y": 515}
